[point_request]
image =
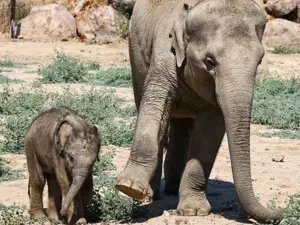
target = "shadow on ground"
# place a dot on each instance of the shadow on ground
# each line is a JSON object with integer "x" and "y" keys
{"x": 221, "y": 195}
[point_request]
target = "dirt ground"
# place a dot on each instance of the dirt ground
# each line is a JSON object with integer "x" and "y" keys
{"x": 272, "y": 180}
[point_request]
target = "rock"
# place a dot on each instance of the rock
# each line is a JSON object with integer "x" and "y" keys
{"x": 102, "y": 23}
{"x": 280, "y": 8}
{"x": 281, "y": 32}
{"x": 278, "y": 158}
{"x": 48, "y": 21}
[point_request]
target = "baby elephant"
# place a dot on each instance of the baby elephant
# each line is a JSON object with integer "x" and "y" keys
{"x": 61, "y": 148}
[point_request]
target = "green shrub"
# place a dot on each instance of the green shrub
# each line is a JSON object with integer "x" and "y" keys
{"x": 7, "y": 174}
{"x": 291, "y": 212}
{"x": 14, "y": 215}
{"x": 107, "y": 204}
{"x": 117, "y": 77}
{"x": 285, "y": 50}
{"x": 98, "y": 107}
{"x": 7, "y": 64}
{"x": 276, "y": 104}
{"x": 64, "y": 69}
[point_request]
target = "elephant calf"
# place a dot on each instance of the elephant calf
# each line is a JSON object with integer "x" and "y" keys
{"x": 61, "y": 148}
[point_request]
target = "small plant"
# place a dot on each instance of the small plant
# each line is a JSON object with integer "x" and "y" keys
{"x": 117, "y": 77}
{"x": 285, "y": 50}
{"x": 7, "y": 64}
{"x": 64, "y": 69}
{"x": 7, "y": 174}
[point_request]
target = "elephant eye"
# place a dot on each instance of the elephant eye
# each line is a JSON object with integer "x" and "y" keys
{"x": 71, "y": 157}
{"x": 209, "y": 63}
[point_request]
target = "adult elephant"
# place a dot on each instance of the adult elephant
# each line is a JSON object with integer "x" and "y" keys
{"x": 193, "y": 65}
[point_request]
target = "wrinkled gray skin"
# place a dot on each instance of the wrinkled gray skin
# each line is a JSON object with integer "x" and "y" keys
{"x": 193, "y": 66}
{"x": 61, "y": 148}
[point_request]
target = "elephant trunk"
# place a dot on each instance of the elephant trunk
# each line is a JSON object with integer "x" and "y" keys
{"x": 235, "y": 94}
{"x": 77, "y": 182}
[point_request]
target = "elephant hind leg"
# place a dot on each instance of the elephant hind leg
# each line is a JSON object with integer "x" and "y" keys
{"x": 209, "y": 130}
{"x": 176, "y": 156}
{"x": 36, "y": 187}
{"x": 55, "y": 198}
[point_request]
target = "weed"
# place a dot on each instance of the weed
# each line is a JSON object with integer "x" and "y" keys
{"x": 117, "y": 77}
{"x": 64, "y": 69}
{"x": 7, "y": 174}
{"x": 285, "y": 50}
{"x": 7, "y": 64}
{"x": 276, "y": 104}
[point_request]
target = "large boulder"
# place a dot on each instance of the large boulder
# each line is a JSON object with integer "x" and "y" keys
{"x": 280, "y": 8}
{"x": 102, "y": 23}
{"x": 281, "y": 32}
{"x": 48, "y": 21}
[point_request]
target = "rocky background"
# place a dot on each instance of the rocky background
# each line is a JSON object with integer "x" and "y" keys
{"x": 104, "y": 21}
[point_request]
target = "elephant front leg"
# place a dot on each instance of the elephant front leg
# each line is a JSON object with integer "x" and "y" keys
{"x": 206, "y": 139}
{"x": 149, "y": 139}
{"x": 76, "y": 212}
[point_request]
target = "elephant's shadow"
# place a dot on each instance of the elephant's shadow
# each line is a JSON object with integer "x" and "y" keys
{"x": 221, "y": 195}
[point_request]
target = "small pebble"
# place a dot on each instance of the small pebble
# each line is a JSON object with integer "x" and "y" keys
{"x": 278, "y": 158}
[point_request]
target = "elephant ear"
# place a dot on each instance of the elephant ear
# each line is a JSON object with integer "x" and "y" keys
{"x": 178, "y": 31}
{"x": 63, "y": 132}
{"x": 97, "y": 133}
{"x": 177, "y": 35}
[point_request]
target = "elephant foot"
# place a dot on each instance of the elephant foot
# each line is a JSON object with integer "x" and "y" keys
{"x": 133, "y": 189}
{"x": 193, "y": 207}
{"x": 81, "y": 221}
{"x": 52, "y": 214}
{"x": 134, "y": 182}
{"x": 37, "y": 214}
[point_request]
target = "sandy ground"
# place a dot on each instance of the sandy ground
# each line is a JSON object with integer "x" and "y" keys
{"x": 271, "y": 180}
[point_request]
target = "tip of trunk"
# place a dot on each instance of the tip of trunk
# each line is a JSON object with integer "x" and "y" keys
{"x": 269, "y": 215}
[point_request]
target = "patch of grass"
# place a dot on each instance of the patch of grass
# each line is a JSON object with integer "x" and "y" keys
{"x": 285, "y": 50}
{"x": 64, "y": 69}
{"x": 7, "y": 64}
{"x": 8, "y": 174}
{"x": 107, "y": 204}
{"x": 276, "y": 104}
{"x": 291, "y": 134}
{"x": 98, "y": 107}
{"x": 117, "y": 77}
{"x": 6, "y": 80}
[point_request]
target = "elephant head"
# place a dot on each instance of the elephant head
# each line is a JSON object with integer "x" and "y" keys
{"x": 218, "y": 46}
{"x": 78, "y": 143}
